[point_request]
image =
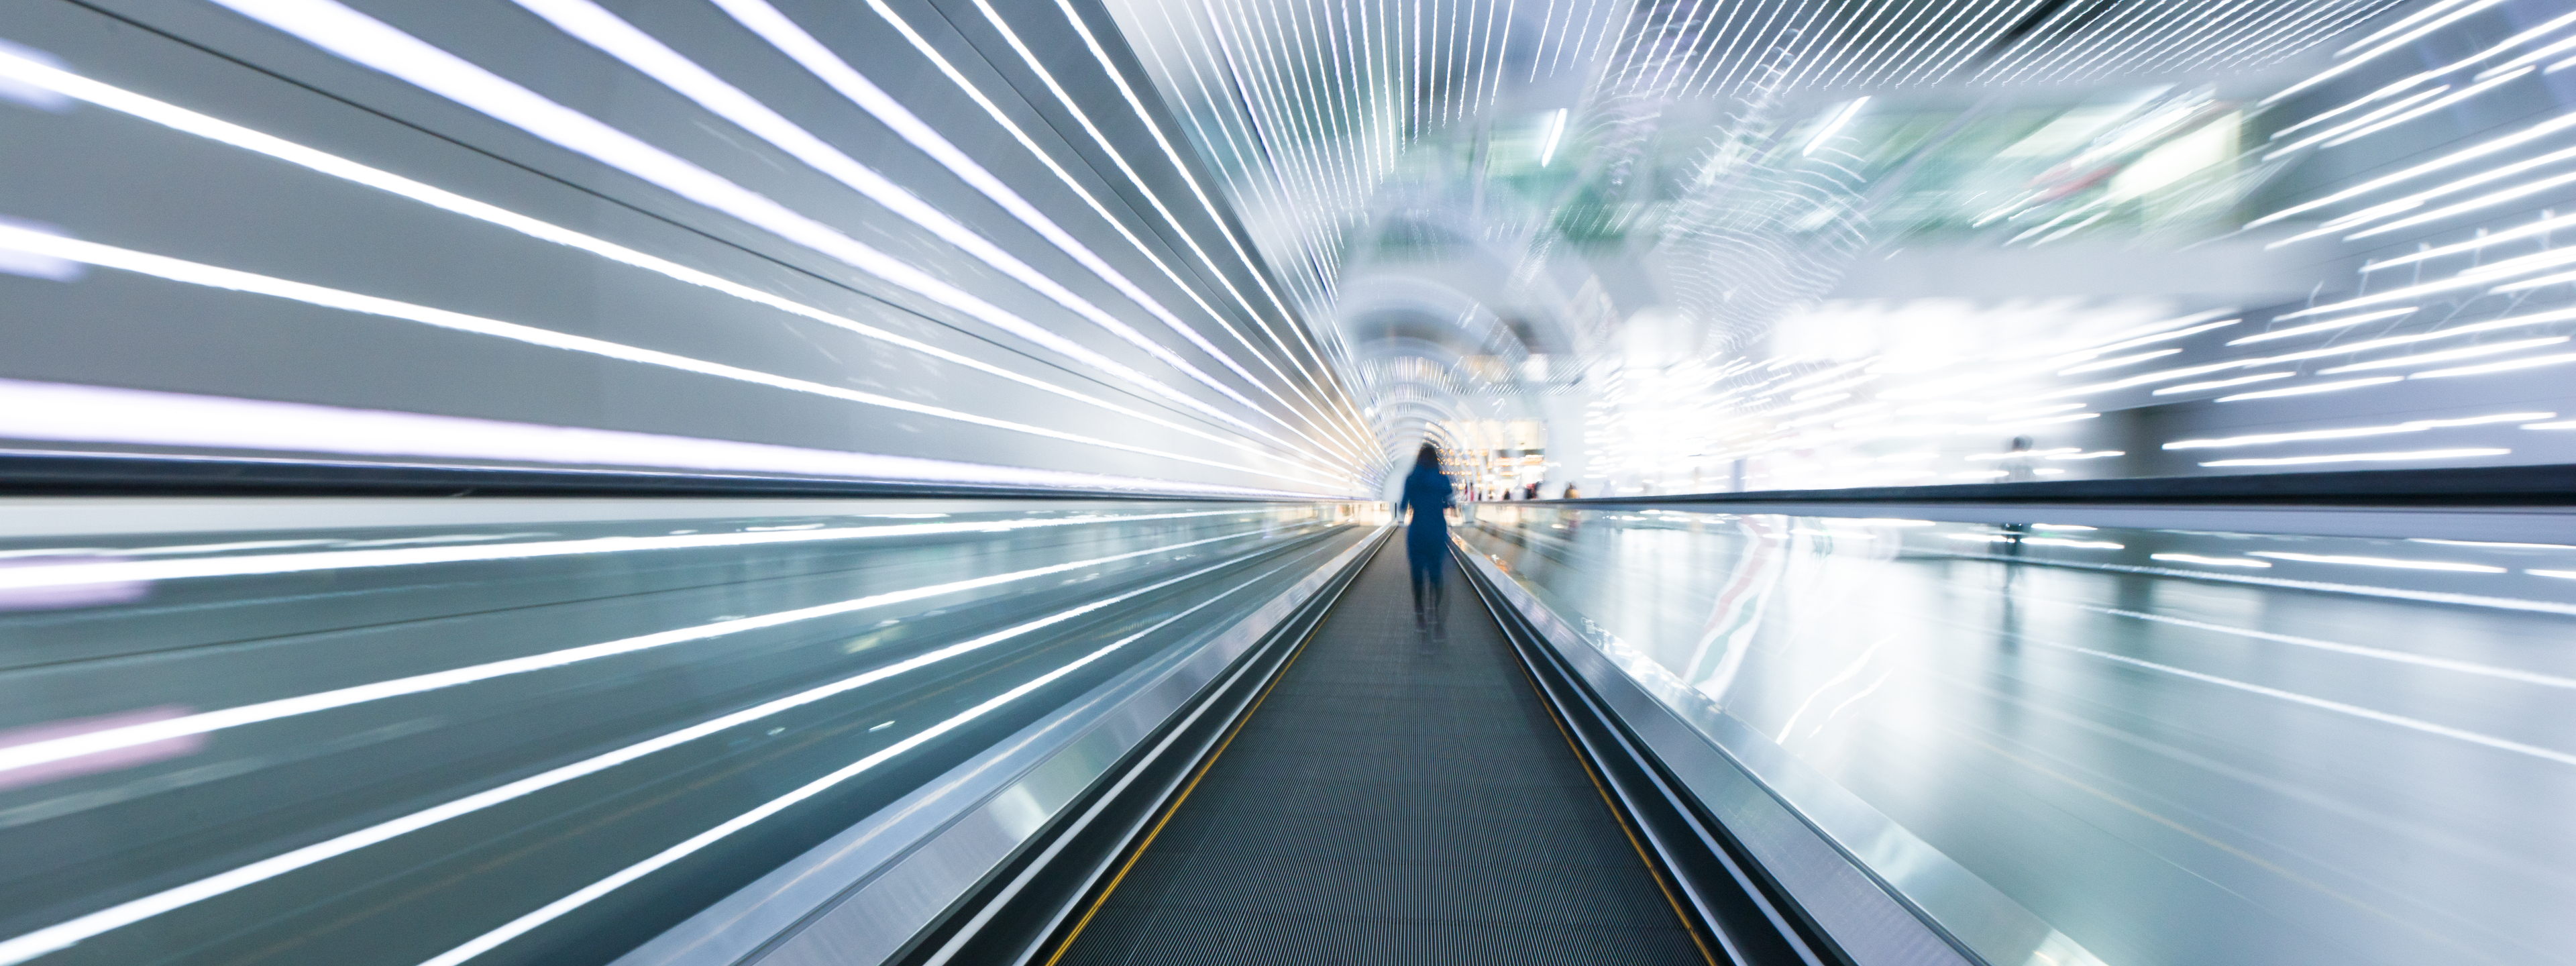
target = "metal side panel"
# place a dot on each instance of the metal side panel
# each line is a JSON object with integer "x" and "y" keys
{"x": 1883, "y": 895}
{"x": 859, "y": 897}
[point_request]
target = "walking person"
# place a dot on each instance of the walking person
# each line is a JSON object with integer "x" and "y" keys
{"x": 1427, "y": 492}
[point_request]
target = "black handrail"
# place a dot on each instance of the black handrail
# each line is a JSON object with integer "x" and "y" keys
{"x": 40, "y": 473}
{"x": 2473, "y": 486}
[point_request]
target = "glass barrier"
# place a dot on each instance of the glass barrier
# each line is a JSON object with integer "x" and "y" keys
{"x": 563, "y": 724}
{"x": 2171, "y": 746}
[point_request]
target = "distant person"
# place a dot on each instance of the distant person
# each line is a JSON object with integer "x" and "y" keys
{"x": 1428, "y": 493}
{"x": 2018, "y": 467}
{"x": 1570, "y": 492}
{"x": 1530, "y": 493}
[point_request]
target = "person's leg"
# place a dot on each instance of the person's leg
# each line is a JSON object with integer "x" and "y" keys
{"x": 1413, "y": 563}
{"x": 1437, "y": 573}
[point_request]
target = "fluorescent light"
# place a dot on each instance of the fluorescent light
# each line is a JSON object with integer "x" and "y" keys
{"x": 2489, "y": 200}
{"x": 2121, "y": 361}
{"x": 71, "y": 932}
{"x": 2095, "y": 455}
{"x": 2561, "y": 574}
{"x": 1555, "y": 132}
{"x": 2314, "y": 387}
{"x": 2077, "y": 544}
{"x": 2516, "y": 233}
{"x": 2445, "y": 355}
{"x": 2462, "y": 94}
{"x": 334, "y": 27}
{"x": 2026, "y": 413}
{"x": 190, "y": 122}
{"x": 2411, "y": 426}
{"x": 2032, "y": 452}
{"x": 2468, "y": 568}
{"x": 2208, "y": 561}
{"x": 2327, "y": 325}
{"x": 2563, "y": 424}
{"x": 2506, "y": 366}
{"x": 2429, "y": 454}
{"x": 2042, "y": 421}
{"x": 1833, "y": 127}
{"x": 2491, "y": 543}
{"x": 95, "y": 742}
{"x": 193, "y": 273}
{"x": 2222, "y": 383}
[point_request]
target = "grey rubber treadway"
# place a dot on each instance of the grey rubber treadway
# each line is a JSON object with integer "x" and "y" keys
{"x": 1394, "y": 799}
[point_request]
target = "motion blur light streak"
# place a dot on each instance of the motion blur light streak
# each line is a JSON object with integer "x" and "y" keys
{"x": 2415, "y": 455}
{"x": 2314, "y": 387}
{"x": 640, "y": 51}
{"x": 556, "y": 909}
{"x": 40, "y": 752}
{"x": 2378, "y": 562}
{"x": 129, "y": 416}
{"x": 284, "y": 563}
{"x": 2444, "y": 356}
{"x": 224, "y": 278}
{"x": 331, "y": 26}
{"x": 2208, "y": 561}
{"x": 86, "y": 90}
{"x": 66, "y": 934}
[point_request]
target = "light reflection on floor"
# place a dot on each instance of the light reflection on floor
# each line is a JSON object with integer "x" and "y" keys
{"x": 2169, "y": 769}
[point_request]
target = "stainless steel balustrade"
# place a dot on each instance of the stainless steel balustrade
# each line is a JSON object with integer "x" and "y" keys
{"x": 2134, "y": 735}
{"x": 544, "y": 731}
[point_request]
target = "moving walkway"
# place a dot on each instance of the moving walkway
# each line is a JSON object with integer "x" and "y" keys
{"x": 694, "y": 729}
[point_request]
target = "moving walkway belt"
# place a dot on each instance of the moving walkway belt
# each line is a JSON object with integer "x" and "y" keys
{"x": 1385, "y": 794}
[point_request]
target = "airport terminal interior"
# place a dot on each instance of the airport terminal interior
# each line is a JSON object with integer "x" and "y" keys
{"x": 1300, "y": 482}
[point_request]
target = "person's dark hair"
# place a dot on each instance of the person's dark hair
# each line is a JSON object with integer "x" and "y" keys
{"x": 1427, "y": 458}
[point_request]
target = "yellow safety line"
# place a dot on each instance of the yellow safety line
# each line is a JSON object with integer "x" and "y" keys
{"x": 1617, "y": 814}
{"x": 1175, "y": 807}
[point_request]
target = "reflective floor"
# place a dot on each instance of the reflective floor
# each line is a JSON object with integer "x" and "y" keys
{"x": 393, "y": 744}
{"x": 2173, "y": 747}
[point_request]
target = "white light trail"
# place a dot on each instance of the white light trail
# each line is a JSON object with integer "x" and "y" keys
{"x": 1555, "y": 132}
{"x": 2120, "y": 361}
{"x": 2446, "y": 355}
{"x": 2412, "y": 724}
{"x": 783, "y": 34}
{"x": 2402, "y": 104}
{"x": 599, "y": 28}
{"x": 101, "y": 414}
{"x": 95, "y": 742}
{"x": 2357, "y": 561}
{"x": 190, "y": 122}
{"x": 336, "y": 28}
{"x": 2455, "y": 97}
{"x": 2374, "y": 53}
{"x": 121, "y": 571}
{"x": 67, "y": 934}
{"x": 2462, "y": 156}
{"x": 191, "y": 273}
{"x": 1834, "y": 126}
{"x": 2314, "y": 387}
{"x": 2415, "y": 426}
{"x": 2491, "y": 543}
{"x": 2428, "y": 454}
{"x": 2515, "y": 193}
{"x": 2221, "y": 383}
{"x": 583, "y": 896}
{"x": 2506, "y": 366}
{"x": 2208, "y": 561}
{"x": 2325, "y": 326}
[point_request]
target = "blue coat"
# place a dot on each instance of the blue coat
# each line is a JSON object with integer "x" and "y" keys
{"x": 1427, "y": 493}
